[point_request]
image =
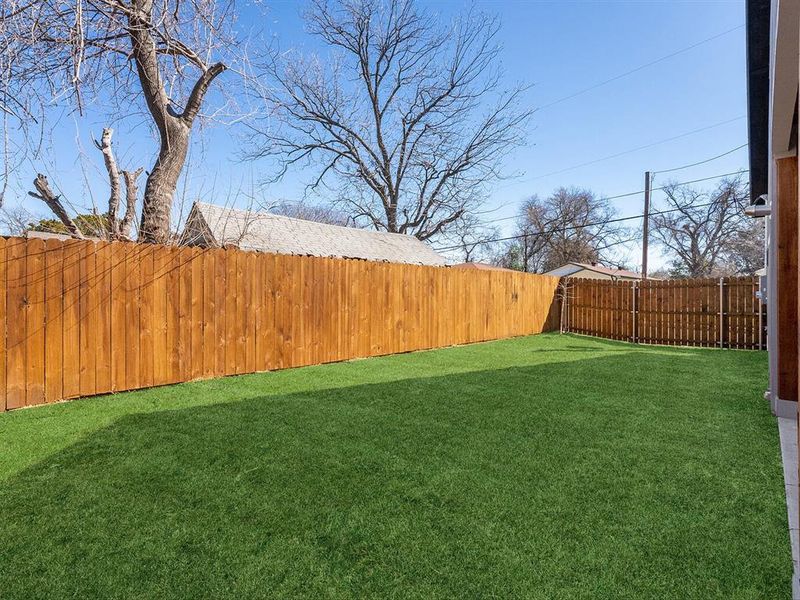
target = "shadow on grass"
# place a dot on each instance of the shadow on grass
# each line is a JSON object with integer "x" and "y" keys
{"x": 60, "y": 425}
{"x": 548, "y": 481}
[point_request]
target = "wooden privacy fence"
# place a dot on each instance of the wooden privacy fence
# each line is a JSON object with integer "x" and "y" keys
{"x": 81, "y": 318}
{"x": 684, "y": 312}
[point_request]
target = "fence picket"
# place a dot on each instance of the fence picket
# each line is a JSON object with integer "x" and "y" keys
{"x": 34, "y": 315}
{"x": 53, "y": 316}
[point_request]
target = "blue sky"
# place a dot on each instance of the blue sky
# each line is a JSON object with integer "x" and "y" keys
{"x": 558, "y": 47}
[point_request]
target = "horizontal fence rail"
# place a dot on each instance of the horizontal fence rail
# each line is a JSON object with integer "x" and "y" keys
{"x": 80, "y": 318}
{"x": 723, "y": 312}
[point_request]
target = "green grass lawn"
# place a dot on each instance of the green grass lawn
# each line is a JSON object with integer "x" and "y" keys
{"x": 540, "y": 467}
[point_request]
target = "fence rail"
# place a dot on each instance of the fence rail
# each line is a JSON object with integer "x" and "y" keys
{"x": 721, "y": 312}
{"x": 80, "y": 318}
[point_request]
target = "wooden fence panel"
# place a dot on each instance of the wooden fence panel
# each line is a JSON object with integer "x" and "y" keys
{"x": 3, "y": 312}
{"x": 80, "y": 318}
{"x": 692, "y": 312}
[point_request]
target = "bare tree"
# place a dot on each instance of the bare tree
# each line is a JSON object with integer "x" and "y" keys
{"x": 471, "y": 239}
{"x": 570, "y": 225}
{"x": 319, "y": 213}
{"x": 744, "y": 254}
{"x": 408, "y": 117}
{"x": 700, "y": 226}
{"x": 153, "y": 54}
{"x": 15, "y": 220}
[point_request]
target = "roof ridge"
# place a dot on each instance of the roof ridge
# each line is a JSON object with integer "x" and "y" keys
{"x": 277, "y": 216}
{"x": 602, "y": 267}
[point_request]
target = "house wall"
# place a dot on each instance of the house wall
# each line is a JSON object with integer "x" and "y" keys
{"x": 786, "y": 277}
{"x": 782, "y": 254}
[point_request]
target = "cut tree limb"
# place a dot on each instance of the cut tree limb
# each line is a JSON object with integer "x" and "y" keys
{"x": 131, "y": 192}
{"x": 44, "y": 193}
{"x": 113, "y": 179}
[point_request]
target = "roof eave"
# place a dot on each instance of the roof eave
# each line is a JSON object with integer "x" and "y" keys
{"x": 758, "y": 48}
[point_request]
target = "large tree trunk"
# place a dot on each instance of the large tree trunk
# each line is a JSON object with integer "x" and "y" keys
{"x": 160, "y": 188}
{"x": 173, "y": 128}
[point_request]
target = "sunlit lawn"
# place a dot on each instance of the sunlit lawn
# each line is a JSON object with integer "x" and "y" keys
{"x": 541, "y": 467}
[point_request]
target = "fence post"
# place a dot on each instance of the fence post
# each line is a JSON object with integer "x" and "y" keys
{"x": 721, "y": 313}
{"x": 633, "y": 313}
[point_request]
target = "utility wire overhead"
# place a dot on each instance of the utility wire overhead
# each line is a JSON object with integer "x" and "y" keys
{"x": 640, "y": 67}
{"x": 701, "y": 162}
{"x": 628, "y": 194}
{"x": 582, "y": 226}
{"x": 646, "y": 146}
{"x": 739, "y": 172}
{"x": 624, "y": 152}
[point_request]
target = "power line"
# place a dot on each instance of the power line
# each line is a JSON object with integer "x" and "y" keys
{"x": 624, "y": 152}
{"x": 640, "y": 67}
{"x": 627, "y": 194}
{"x": 583, "y": 226}
{"x": 739, "y": 172}
{"x": 702, "y": 162}
{"x": 638, "y": 148}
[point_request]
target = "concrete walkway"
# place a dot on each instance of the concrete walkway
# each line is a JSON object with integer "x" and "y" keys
{"x": 787, "y": 428}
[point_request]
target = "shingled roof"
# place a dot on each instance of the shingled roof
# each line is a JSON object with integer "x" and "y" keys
{"x": 218, "y": 226}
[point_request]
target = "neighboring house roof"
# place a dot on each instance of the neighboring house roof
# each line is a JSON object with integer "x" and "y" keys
{"x": 575, "y": 267}
{"x": 481, "y": 267}
{"x": 49, "y": 235}
{"x": 211, "y": 225}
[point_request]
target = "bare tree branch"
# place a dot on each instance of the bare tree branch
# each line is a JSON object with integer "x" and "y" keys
{"x": 44, "y": 193}
{"x": 407, "y": 118}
